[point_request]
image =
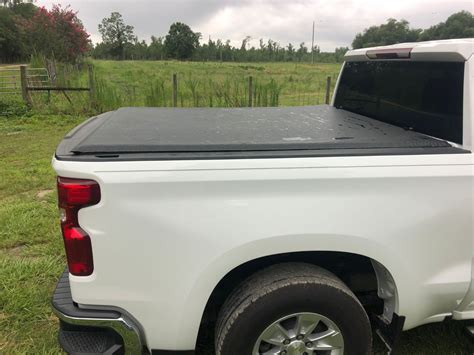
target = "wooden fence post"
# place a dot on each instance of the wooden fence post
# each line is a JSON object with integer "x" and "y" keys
{"x": 328, "y": 89}
{"x": 250, "y": 90}
{"x": 175, "y": 90}
{"x": 24, "y": 85}
{"x": 91, "y": 84}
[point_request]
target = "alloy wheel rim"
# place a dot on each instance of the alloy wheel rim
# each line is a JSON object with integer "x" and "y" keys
{"x": 302, "y": 333}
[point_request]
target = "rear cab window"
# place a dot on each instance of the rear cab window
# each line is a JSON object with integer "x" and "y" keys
{"x": 423, "y": 96}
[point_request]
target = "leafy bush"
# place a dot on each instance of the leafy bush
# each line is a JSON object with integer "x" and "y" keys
{"x": 57, "y": 32}
{"x": 11, "y": 108}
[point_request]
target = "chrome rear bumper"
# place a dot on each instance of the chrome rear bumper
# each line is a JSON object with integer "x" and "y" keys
{"x": 116, "y": 320}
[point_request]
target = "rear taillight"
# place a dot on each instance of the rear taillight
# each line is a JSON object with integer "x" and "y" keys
{"x": 74, "y": 194}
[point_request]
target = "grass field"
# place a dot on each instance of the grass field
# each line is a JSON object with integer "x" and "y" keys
{"x": 149, "y": 83}
{"x": 218, "y": 84}
{"x": 31, "y": 251}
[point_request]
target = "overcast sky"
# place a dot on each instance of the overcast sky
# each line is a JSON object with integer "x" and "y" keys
{"x": 337, "y": 21}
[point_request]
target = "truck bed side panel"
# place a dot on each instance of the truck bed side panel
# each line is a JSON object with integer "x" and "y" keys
{"x": 160, "y": 247}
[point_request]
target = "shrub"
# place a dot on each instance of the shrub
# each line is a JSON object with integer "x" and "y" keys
{"x": 11, "y": 108}
{"x": 55, "y": 33}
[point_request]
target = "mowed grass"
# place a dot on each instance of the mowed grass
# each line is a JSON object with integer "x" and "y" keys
{"x": 31, "y": 250}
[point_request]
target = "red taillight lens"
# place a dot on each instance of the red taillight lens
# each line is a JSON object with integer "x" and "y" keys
{"x": 75, "y": 192}
{"x": 78, "y": 250}
{"x": 73, "y": 195}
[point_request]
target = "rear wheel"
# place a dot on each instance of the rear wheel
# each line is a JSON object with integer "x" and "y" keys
{"x": 293, "y": 308}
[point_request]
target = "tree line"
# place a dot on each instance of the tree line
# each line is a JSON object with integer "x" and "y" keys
{"x": 458, "y": 25}
{"x": 27, "y": 30}
{"x": 119, "y": 42}
{"x": 182, "y": 43}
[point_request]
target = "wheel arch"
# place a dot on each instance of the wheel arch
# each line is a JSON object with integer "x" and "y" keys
{"x": 383, "y": 283}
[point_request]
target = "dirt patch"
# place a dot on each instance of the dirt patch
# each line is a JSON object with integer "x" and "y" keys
{"x": 15, "y": 251}
{"x": 53, "y": 318}
{"x": 43, "y": 193}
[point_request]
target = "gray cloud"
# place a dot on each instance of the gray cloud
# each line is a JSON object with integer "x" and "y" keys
{"x": 337, "y": 21}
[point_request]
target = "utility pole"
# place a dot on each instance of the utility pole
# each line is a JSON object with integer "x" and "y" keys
{"x": 312, "y": 46}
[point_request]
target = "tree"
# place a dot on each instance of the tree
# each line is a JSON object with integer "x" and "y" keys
{"x": 290, "y": 52}
{"x": 116, "y": 34}
{"x": 55, "y": 33}
{"x": 211, "y": 50}
{"x": 25, "y": 9}
{"x": 458, "y": 25}
{"x": 390, "y": 33}
{"x": 13, "y": 46}
{"x": 13, "y": 3}
{"x": 181, "y": 41}
{"x": 301, "y": 52}
{"x": 245, "y": 42}
{"x": 339, "y": 53}
{"x": 156, "y": 48}
{"x": 11, "y": 49}
{"x": 102, "y": 51}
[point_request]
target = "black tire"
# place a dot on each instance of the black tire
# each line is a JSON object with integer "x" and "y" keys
{"x": 286, "y": 289}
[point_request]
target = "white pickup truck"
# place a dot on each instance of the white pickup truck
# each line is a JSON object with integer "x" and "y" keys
{"x": 275, "y": 230}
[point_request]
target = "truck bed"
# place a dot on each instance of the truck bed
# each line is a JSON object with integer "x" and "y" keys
{"x": 221, "y": 133}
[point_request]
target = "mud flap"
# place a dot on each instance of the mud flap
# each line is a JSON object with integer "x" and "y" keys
{"x": 389, "y": 333}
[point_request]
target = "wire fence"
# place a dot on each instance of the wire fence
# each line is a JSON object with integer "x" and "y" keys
{"x": 78, "y": 88}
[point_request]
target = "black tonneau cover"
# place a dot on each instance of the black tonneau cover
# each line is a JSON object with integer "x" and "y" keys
{"x": 219, "y": 133}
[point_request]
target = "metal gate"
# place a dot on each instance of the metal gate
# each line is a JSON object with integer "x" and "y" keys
{"x": 10, "y": 79}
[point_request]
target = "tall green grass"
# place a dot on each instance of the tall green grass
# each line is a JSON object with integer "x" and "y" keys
{"x": 193, "y": 92}
{"x": 142, "y": 83}
{"x": 146, "y": 83}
